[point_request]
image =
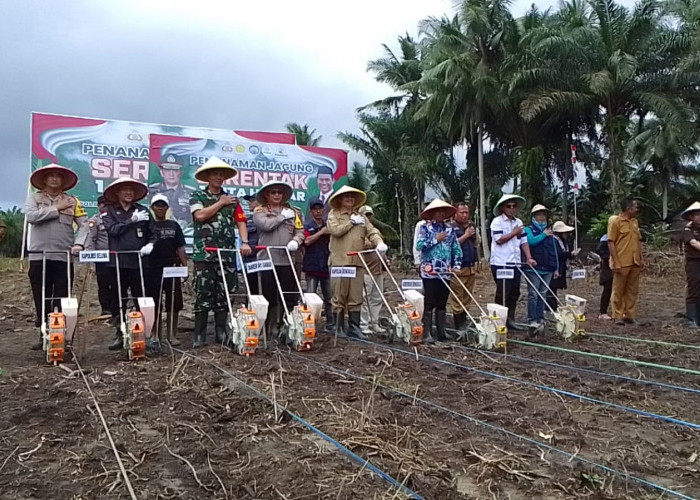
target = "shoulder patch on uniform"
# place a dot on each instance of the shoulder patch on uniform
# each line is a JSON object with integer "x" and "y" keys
{"x": 258, "y": 210}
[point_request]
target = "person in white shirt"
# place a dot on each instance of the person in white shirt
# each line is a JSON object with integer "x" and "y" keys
{"x": 508, "y": 240}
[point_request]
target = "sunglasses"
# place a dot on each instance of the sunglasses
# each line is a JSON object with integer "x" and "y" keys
{"x": 276, "y": 191}
{"x": 511, "y": 205}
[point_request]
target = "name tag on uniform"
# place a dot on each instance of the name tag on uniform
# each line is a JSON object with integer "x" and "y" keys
{"x": 343, "y": 272}
{"x": 505, "y": 274}
{"x": 258, "y": 265}
{"x": 411, "y": 285}
{"x": 94, "y": 256}
{"x": 175, "y": 272}
{"x": 578, "y": 274}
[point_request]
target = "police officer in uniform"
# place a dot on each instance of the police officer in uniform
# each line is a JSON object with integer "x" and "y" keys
{"x": 178, "y": 194}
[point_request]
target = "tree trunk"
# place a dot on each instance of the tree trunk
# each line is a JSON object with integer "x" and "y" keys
{"x": 664, "y": 202}
{"x": 486, "y": 251}
{"x": 568, "y": 169}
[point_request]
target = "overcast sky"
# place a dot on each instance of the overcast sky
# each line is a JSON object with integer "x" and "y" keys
{"x": 253, "y": 65}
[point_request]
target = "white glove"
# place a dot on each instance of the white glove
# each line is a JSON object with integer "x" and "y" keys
{"x": 357, "y": 219}
{"x": 288, "y": 213}
{"x": 139, "y": 216}
{"x": 382, "y": 247}
{"x": 146, "y": 249}
{"x": 293, "y": 246}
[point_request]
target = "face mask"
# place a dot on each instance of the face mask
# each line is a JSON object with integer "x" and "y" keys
{"x": 539, "y": 225}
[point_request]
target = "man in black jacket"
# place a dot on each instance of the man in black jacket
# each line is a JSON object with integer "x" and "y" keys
{"x": 130, "y": 228}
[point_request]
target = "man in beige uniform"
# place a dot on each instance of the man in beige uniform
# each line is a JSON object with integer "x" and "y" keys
{"x": 348, "y": 230}
{"x": 626, "y": 261}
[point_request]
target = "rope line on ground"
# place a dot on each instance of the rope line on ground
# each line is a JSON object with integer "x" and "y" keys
{"x": 646, "y": 341}
{"x": 365, "y": 463}
{"x": 569, "y": 456}
{"x": 106, "y": 428}
{"x": 554, "y": 390}
{"x": 584, "y": 370}
{"x": 607, "y": 357}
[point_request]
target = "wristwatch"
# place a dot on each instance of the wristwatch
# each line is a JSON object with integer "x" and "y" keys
{"x": 245, "y": 242}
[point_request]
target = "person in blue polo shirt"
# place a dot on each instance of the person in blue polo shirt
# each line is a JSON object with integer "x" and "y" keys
{"x": 315, "y": 264}
{"x": 543, "y": 248}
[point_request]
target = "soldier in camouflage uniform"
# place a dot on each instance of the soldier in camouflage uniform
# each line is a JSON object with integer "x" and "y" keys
{"x": 177, "y": 193}
{"x": 215, "y": 216}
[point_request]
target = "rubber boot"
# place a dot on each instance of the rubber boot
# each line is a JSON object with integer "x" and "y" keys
{"x": 39, "y": 345}
{"x": 440, "y": 324}
{"x": 200, "y": 328}
{"x": 272, "y": 322}
{"x": 220, "y": 326}
{"x": 460, "y": 320}
{"x": 691, "y": 312}
{"x": 354, "y": 329}
{"x": 428, "y": 327}
{"x": 512, "y": 327}
{"x": 330, "y": 323}
{"x": 172, "y": 321}
{"x": 340, "y": 331}
{"x": 118, "y": 341}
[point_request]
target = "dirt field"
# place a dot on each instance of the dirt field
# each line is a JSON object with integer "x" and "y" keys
{"x": 186, "y": 430}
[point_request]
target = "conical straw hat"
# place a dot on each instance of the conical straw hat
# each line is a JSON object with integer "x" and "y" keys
{"x": 428, "y": 211}
{"x": 360, "y": 197}
{"x": 692, "y": 208}
{"x": 214, "y": 163}
{"x": 508, "y": 197}
{"x": 140, "y": 189}
{"x": 38, "y": 177}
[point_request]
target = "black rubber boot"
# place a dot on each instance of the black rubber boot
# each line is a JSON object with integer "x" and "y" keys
{"x": 220, "y": 326}
{"x": 512, "y": 327}
{"x": 118, "y": 341}
{"x": 330, "y": 323}
{"x": 440, "y": 323}
{"x": 272, "y": 326}
{"x": 340, "y": 331}
{"x": 428, "y": 327}
{"x": 691, "y": 312}
{"x": 200, "y": 328}
{"x": 460, "y": 320}
{"x": 39, "y": 345}
{"x": 354, "y": 329}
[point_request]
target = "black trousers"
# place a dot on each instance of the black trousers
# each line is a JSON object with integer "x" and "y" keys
{"x": 106, "y": 287}
{"x": 253, "y": 282}
{"x": 436, "y": 295}
{"x": 170, "y": 285}
{"x": 56, "y": 285}
{"x": 692, "y": 272}
{"x": 605, "y": 296}
{"x": 289, "y": 286}
{"x": 130, "y": 280}
{"x": 508, "y": 297}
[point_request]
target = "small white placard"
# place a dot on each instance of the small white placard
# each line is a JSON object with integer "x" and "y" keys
{"x": 94, "y": 256}
{"x": 343, "y": 272}
{"x": 411, "y": 284}
{"x": 258, "y": 265}
{"x": 505, "y": 274}
{"x": 578, "y": 274}
{"x": 175, "y": 272}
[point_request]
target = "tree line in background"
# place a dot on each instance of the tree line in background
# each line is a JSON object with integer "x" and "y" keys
{"x": 513, "y": 95}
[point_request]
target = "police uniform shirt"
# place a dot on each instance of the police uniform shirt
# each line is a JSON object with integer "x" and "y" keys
{"x": 178, "y": 199}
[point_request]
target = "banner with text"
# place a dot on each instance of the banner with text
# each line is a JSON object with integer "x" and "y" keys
{"x": 100, "y": 151}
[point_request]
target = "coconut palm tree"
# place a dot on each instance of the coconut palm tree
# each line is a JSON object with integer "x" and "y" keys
{"x": 304, "y": 136}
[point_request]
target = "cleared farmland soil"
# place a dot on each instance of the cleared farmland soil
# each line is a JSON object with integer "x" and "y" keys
{"x": 185, "y": 429}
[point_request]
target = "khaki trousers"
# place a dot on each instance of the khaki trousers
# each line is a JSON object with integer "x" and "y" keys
{"x": 468, "y": 277}
{"x": 625, "y": 290}
{"x": 347, "y": 292}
